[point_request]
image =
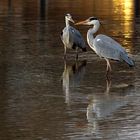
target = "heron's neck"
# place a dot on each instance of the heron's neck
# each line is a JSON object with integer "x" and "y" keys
{"x": 67, "y": 22}
{"x": 90, "y": 34}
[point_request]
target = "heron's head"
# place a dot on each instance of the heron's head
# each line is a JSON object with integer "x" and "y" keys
{"x": 89, "y": 21}
{"x": 69, "y": 18}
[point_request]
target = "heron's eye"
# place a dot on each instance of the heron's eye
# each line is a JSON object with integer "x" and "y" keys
{"x": 92, "y": 18}
{"x": 68, "y": 15}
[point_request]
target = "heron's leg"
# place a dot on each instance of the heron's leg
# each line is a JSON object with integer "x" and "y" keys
{"x": 65, "y": 51}
{"x": 76, "y": 53}
{"x": 108, "y": 68}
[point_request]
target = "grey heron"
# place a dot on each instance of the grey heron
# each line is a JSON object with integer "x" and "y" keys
{"x": 71, "y": 37}
{"x": 105, "y": 46}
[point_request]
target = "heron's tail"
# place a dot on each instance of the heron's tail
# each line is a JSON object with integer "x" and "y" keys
{"x": 128, "y": 60}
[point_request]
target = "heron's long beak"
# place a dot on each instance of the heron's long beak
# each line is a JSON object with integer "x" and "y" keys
{"x": 72, "y": 20}
{"x": 85, "y": 22}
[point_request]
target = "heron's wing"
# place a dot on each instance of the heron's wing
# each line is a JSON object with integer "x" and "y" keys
{"x": 106, "y": 47}
{"x": 76, "y": 37}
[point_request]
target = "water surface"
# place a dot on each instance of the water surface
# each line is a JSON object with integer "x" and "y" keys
{"x": 44, "y": 97}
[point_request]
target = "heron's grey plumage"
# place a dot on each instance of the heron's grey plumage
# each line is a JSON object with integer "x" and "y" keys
{"x": 108, "y": 48}
{"x": 72, "y": 38}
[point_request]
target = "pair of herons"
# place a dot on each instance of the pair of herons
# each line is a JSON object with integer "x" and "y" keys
{"x": 102, "y": 45}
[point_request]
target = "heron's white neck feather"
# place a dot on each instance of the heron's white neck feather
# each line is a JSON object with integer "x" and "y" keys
{"x": 67, "y": 22}
{"x": 91, "y": 32}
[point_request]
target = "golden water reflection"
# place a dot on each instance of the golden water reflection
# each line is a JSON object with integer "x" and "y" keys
{"x": 124, "y": 10}
{"x": 118, "y": 14}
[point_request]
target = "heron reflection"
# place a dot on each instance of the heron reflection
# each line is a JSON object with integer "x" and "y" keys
{"x": 103, "y": 106}
{"x": 72, "y": 77}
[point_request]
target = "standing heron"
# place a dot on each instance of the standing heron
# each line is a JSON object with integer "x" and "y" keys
{"x": 105, "y": 46}
{"x": 71, "y": 37}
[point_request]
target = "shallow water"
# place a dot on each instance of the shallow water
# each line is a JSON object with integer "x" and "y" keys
{"x": 44, "y": 97}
